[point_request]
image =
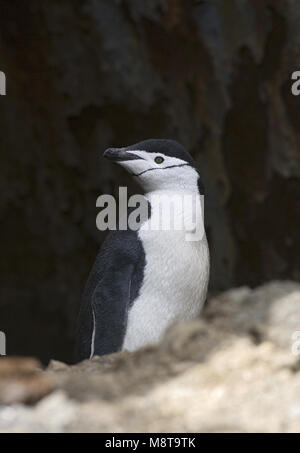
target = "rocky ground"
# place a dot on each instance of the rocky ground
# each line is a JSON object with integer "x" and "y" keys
{"x": 236, "y": 369}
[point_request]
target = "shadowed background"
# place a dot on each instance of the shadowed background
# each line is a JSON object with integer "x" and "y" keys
{"x": 86, "y": 75}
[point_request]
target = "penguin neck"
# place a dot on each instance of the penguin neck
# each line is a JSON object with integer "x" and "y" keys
{"x": 179, "y": 191}
{"x": 186, "y": 189}
{"x": 186, "y": 207}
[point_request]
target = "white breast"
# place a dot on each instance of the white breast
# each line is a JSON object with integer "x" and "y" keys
{"x": 175, "y": 281}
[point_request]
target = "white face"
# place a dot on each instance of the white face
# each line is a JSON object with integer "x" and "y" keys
{"x": 156, "y": 171}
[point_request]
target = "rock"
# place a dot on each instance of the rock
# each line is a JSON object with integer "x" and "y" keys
{"x": 56, "y": 365}
{"x": 53, "y": 414}
{"x": 22, "y": 381}
{"x": 271, "y": 312}
{"x": 232, "y": 370}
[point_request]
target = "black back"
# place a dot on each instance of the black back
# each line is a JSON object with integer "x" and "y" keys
{"x": 113, "y": 284}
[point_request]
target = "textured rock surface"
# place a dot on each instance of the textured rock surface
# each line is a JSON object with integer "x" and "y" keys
{"x": 233, "y": 370}
{"x": 85, "y": 75}
{"x": 22, "y": 380}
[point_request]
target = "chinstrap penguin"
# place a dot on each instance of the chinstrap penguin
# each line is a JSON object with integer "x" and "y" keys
{"x": 143, "y": 281}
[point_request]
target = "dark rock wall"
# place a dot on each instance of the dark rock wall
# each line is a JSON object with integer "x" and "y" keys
{"x": 84, "y": 75}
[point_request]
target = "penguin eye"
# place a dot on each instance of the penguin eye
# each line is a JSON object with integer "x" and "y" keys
{"x": 159, "y": 160}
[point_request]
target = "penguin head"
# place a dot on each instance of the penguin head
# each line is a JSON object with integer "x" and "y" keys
{"x": 158, "y": 165}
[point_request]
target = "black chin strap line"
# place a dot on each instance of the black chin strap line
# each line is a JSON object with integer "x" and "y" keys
{"x": 164, "y": 168}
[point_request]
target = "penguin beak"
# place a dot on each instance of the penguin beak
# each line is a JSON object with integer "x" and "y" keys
{"x": 120, "y": 155}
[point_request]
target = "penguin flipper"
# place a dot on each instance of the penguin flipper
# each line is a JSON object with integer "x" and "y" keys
{"x": 110, "y": 305}
{"x": 113, "y": 284}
